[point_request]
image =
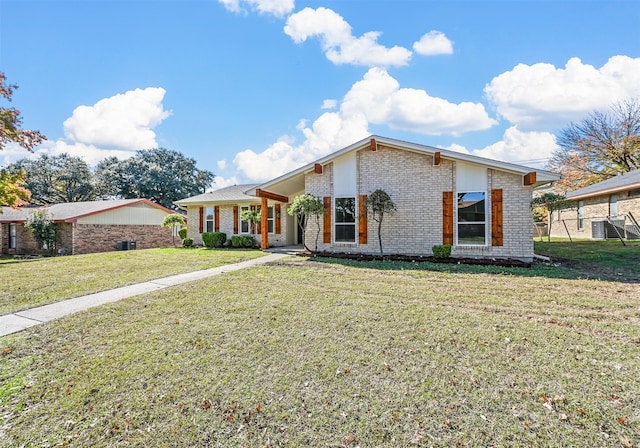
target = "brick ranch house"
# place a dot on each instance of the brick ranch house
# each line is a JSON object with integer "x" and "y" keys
{"x": 600, "y": 207}
{"x": 87, "y": 227}
{"x": 479, "y": 206}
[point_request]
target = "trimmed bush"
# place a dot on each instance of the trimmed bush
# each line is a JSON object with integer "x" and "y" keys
{"x": 182, "y": 233}
{"x": 214, "y": 239}
{"x": 243, "y": 241}
{"x": 442, "y": 251}
{"x": 248, "y": 241}
{"x": 187, "y": 242}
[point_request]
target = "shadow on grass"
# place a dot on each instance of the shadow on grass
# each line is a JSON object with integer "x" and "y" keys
{"x": 537, "y": 269}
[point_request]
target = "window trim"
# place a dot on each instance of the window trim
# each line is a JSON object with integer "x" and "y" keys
{"x": 485, "y": 223}
{"x": 208, "y": 220}
{"x": 243, "y": 223}
{"x": 580, "y": 215}
{"x": 13, "y": 236}
{"x": 341, "y": 223}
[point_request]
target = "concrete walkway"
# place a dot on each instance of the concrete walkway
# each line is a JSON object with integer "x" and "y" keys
{"x": 12, "y": 323}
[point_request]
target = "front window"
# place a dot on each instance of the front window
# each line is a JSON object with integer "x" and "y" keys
{"x": 244, "y": 225}
{"x": 345, "y": 220}
{"x": 12, "y": 236}
{"x": 208, "y": 220}
{"x": 472, "y": 215}
{"x": 613, "y": 205}
{"x": 580, "y": 215}
{"x": 270, "y": 219}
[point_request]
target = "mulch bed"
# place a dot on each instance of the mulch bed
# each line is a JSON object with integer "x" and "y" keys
{"x": 506, "y": 262}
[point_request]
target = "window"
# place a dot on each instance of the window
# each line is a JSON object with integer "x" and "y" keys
{"x": 270, "y": 218}
{"x": 12, "y": 236}
{"x": 244, "y": 225}
{"x": 613, "y": 205}
{"x": 208, "y": 219}
{"x": 345, "y": 220}
{"x": 580, "y": 215}
{"x": 472, "y": 216}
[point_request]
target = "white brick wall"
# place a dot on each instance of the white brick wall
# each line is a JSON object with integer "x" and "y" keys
{"x": 226, "y": 224}
{"x": 416, "y": 187}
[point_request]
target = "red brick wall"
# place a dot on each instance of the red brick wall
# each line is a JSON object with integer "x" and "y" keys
{"x": 25, "y": 244}
{"x": 90, "y": 238}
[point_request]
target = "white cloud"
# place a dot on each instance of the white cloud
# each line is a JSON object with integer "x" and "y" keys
{"x": 380, "y": 99}
{"x": 541, "y": 96}
{"x": 338, "y": 42}
{"x": 433, "y": 43}
{"x": 376, "y": 99}
{"x": 329, "y": 104}
{"x": 115, "y": 126}
{"x": 123, "y": 121}
{"x": 525, "y": 148}
{"x": 221, "y": 182}
{"x": 278, "y": 8}
{"x": 222, "y": 164}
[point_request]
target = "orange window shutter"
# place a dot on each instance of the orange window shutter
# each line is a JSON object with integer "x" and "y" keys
{"x": 447, "y": 217}
{"x": 235, "y": 219}
{"x": 278, "y": 222}
{"x": 326, "y": 235}
{"x": 216, "y": 218}
{"x": 362, "y": 219}
{"x": 496, "y": 218}
{"x": 201, "y": 225}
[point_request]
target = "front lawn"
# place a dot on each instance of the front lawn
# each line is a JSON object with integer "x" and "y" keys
{"x": 306, "y": 353}
{"x": 39, "y": 281}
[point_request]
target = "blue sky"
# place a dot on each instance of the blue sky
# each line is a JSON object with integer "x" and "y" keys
{"x": 254, "y": 88}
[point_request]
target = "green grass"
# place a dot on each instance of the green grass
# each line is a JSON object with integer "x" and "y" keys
{"x": 608, "y": 259}
{"x": 308, "y": 353}
{"x": 35, "y": 282}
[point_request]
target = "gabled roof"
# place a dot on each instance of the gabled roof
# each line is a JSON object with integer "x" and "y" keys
{"x": 232, "y": 194}
{"x": 71, "y": 211}
{"x": 623, "y": 182}
{"x": 294, "y": 181}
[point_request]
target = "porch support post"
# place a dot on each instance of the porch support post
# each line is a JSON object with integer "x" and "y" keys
{"x": 264, "y": 224}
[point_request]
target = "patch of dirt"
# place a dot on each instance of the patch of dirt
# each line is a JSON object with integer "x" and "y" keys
{"x": 505, "y": 262}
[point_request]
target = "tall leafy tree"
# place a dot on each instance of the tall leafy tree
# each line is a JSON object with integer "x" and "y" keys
{"x": 304, "y": 207}
{"x": 602, "y": 145}
{"x": 56, "y": 179}
{"x": 379, "y": 204}
{"x": 12, "y": 191}
{"x": 162, "y": 175}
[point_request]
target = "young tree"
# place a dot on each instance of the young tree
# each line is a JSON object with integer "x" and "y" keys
{"x": 42, "y": 228}
{"x": 12, "y": 191}
{"x": 173, "y": 220}
{"x": 602, "y": 145}
{"x": 549, "y": 203}
{"x": 251, "y": 216}
{"x": 56, "y": 179}
{"x": 304, "y": 207}
{"x": 379, "y": 204}
{"x": 161, "y": 175}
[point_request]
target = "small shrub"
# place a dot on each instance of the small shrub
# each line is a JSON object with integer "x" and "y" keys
{"x": 248, "y": 241}
{"x": 187, "y": 242}
{"x": 214, "y": 239}
{"x": 442, "y": 251}
{"x": 182, "y": 233}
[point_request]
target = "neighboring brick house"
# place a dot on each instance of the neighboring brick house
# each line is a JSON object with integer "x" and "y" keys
{"x": 600, "y": 207}
{"x": 87, "y": 227}
{"x": 490, "y": 218}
